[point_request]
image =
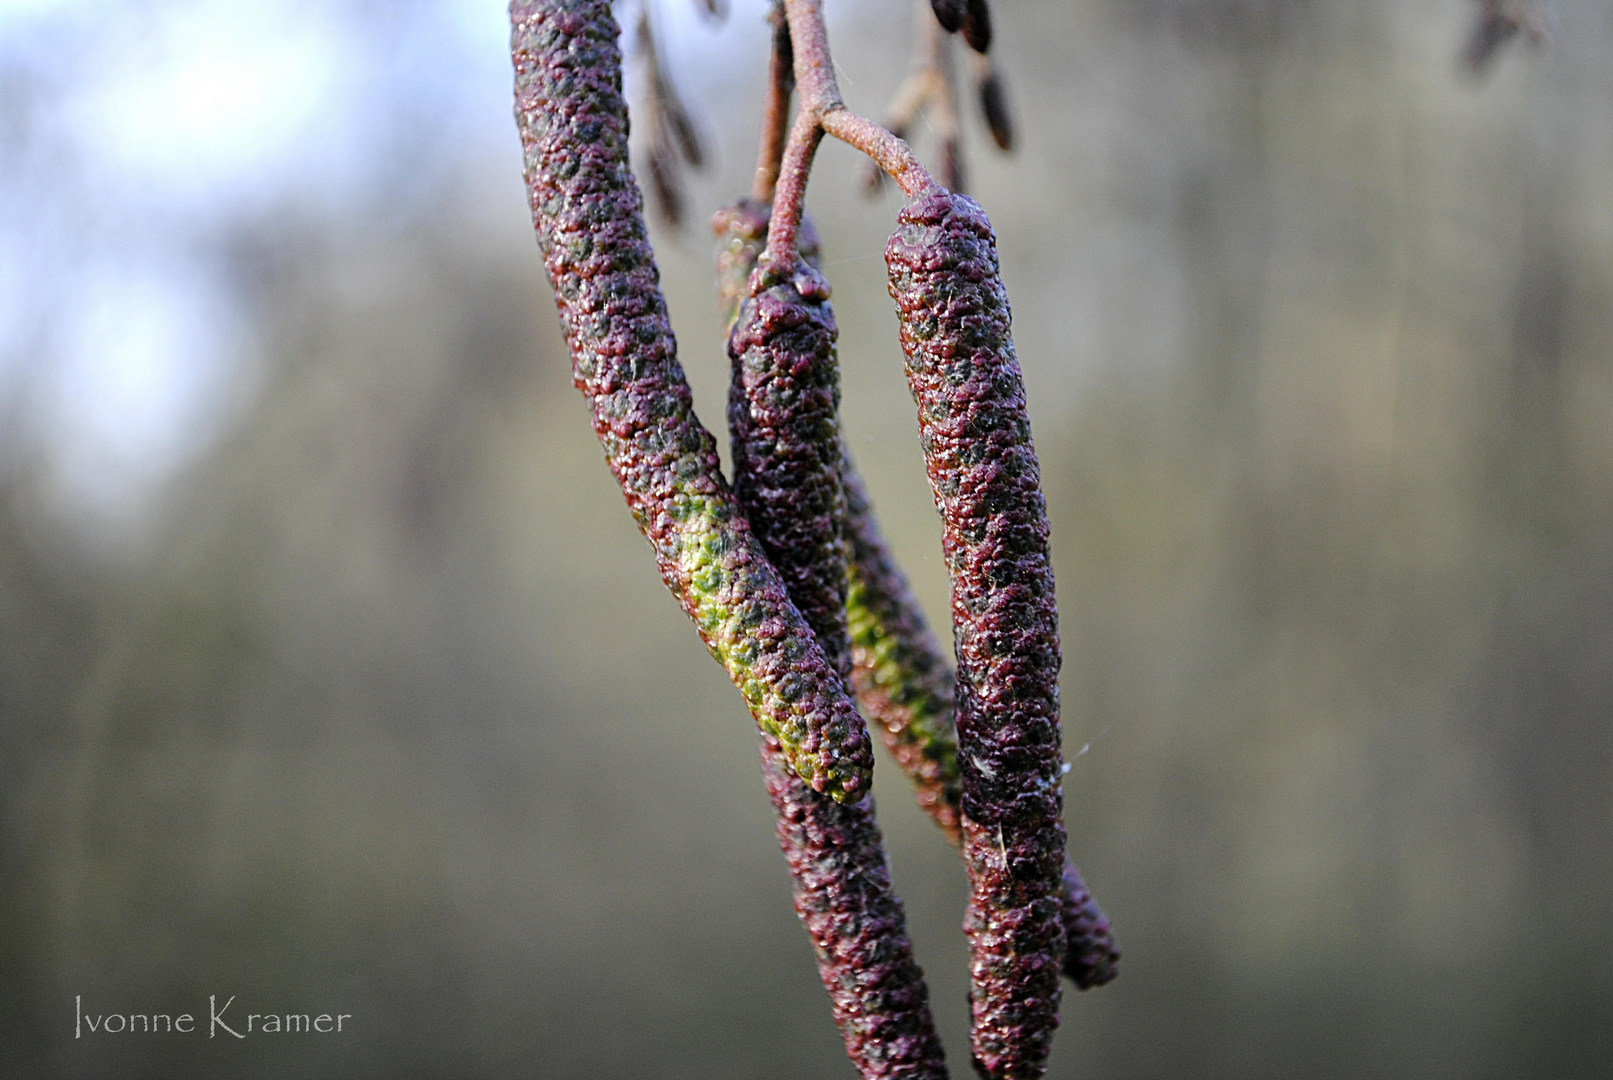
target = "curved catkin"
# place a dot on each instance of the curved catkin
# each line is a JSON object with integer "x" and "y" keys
{"x": 843, "y": 894}
{"x": 783, "y": 400}
{"x": 587, "y": 212}
{"x": 954, "y": 320}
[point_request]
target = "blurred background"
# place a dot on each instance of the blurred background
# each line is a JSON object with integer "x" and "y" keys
{"x": 334, "y": 675}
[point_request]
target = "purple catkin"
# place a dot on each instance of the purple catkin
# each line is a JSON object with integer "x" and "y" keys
{"x": 1091, "y": 957}
{"x": 843, "y": 894}
{"x": 905, "y": 690}
{"x": 903, "y": 682}
{"x": 783, "y": 400}
{"x": 953, "y": 315}
{"x": 587, "y": 212}
{"x": 783, "y": 403}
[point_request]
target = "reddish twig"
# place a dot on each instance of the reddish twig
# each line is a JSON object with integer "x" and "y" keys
{"x": 822, "y": 112}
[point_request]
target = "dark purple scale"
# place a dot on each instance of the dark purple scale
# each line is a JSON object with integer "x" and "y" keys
{"x": 783, "y": 404}
{"x": 954, "y": 320}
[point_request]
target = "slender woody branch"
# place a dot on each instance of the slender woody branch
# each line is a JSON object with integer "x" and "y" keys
{"x": 775, "y": 109}
{"x": 822, "y": 112}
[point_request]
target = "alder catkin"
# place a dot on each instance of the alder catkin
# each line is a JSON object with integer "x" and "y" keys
{"x": 587, "y": 212}
{"x": 782, "y": 415}
{"x": 954, "y": 321}
{"x": 783, "y": 404}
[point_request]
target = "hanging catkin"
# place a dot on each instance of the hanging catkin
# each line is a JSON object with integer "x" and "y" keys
{"x": 954, "y": 321}
{"x": 782, "y": 420}
{"x": 588, "y": 216}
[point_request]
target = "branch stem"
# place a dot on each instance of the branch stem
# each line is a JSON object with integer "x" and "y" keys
{"x": 775, "y": 109}
{"x": 822, "y": 112}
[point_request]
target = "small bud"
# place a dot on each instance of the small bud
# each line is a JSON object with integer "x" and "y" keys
{"x": 949, "y": 13}
{"x": 994, "y": 103}
{"x": 977, "y": 26}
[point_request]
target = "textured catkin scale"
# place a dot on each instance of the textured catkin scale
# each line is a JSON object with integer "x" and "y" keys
{"x": 783, "y": 401}
{"x": 844, "y": 897}
{"x": 954, "y": 321}
{"x": 588, "y": 215}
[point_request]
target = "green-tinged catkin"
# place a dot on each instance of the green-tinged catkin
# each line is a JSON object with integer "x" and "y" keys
{"x": 587, "y": 212}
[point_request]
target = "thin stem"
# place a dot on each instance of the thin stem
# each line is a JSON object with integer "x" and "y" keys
{"x": 775, "y": 109}
{"x": 943, "y": 110}
{"x": 790, "y": 192}
{"x": 892, "y": 154}
{"x": 823, "y": 112}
